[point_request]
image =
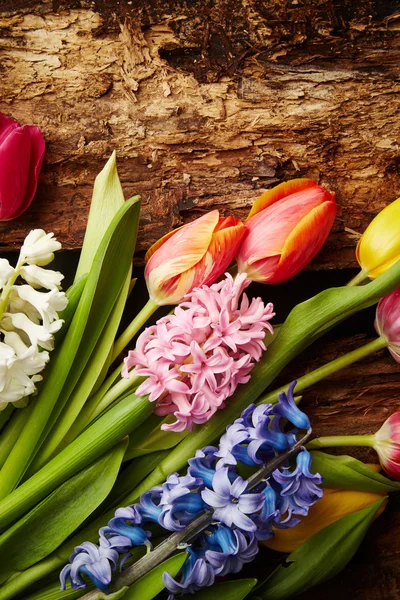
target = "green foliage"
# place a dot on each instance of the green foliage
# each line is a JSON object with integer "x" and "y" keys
{"x": 227, "y": 590}
{"x": 151, "y": 584}
{"x": 45, "y": 527}
{"x": 321, "y": 557}
{"x": 348, "y": 473}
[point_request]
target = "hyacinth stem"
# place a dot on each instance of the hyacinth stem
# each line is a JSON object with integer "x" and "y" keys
{"x": 149, "y": 309}
{"x": 170, "y": 545}
{"x": 12, "y": 431}
{"x": 333, "y": 441}
{"x": 326, "y": 370}
{"x": 359, "y": 278}
{"x": 6, "y": 414}
{"x": 7, "y": 288}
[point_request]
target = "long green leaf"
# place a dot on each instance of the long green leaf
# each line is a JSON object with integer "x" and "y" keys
{"x": 227, "y": 590}
{"x": 306, "y": 322}
{"x": 107, "y": 199}
{"x": 102, "y": 435}
{"x": 45, "y": 527}
{"x": 58, "y": 430}
{"x": 321, "y": 557}
{"x": 348, "y": 473}
{"x": 103, "y": 286}
{"x": 152, "y": 584}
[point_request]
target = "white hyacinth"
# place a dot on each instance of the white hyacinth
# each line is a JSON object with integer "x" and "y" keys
{"x": 28, "y": 317}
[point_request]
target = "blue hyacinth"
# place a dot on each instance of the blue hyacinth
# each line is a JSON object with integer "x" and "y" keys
{"x": 240, "y": 517}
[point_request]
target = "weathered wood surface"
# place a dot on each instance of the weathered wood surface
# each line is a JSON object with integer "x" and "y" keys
{"x": 207, "y": 103}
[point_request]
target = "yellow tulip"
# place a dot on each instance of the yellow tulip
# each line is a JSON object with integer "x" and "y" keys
{"x": 379, "y": 246}
{"x": 334, "y": 505}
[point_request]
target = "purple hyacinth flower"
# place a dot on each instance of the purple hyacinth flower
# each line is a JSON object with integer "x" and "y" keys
{"x": 149, "y": 507}
{"x": 235, "y": 434}
{"x": 300, "y": 487}
{"x": 196, "y": 573}
{"x": 90, "y": 560}
{"x": 230, "y": 501}
{"x": 176, "y": 486}
{"x": 236, "y": 549}
{"x": 203, "y": 465}
{"x": 286, "y": 408}
{"x": 181, "y": 511}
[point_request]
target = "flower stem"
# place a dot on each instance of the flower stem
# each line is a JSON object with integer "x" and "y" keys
{"x": 7, "y": 288}
{"x": 328, "y": 369}
{"x": 134, "y": 327}
{"x": 359, "y": 278}
{"x": 333, "y": 441}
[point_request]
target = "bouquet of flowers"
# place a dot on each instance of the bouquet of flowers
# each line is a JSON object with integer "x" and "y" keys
{"x": 154, "y": 461}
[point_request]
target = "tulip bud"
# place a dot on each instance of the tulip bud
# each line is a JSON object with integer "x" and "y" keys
{"x": 387, "y": 322}
{"x": 193, "y": 255}
{"x": 386, "y": 442}
{"x": 285, "y": 229}
{"x": 379, "y": 246}
{"x": 21, "y": 157}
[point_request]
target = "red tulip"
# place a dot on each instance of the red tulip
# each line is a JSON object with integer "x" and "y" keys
{"x": 285, "y": 229}
{"x": 21, "y": 157}
{"x": 193, "y": 255}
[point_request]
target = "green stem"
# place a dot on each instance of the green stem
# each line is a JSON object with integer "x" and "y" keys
{"x": 333, "y": 441}
{"x": 328, "y": 369}
{"x": 6, "y": 414}
{"x": 12, "y": 431}
{"x": 15, "y": 585}
{"x": 132, "y": 329}
{"x": 7, "y": 288}
{"x": 359, "y": 278}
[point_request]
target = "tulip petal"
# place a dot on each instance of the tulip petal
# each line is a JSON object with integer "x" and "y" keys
{"x": 331, "y": 507}
{"x": 179, "y": 253}
{"x": 35, "y": 164}
{"x": 379, "y": 246}
{"x": 305, "y": 241}
{"x": 14, "y": 167}
{"x": 279, "y": 192}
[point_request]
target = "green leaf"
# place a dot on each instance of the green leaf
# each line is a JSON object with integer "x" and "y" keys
{"x": 321, "y": 557}
{"x": 58, "y": 438}
{"x": 54, "y": 593}
{"x": 107, "y": 199}
{"x": 103, "y": 286}
{"x": 154, "y": 439}
{"x": 115, "y": 596}
{"x": 348, "y": 473}
{"x": 227, "y": 590}
{"x": 45, "y": 527}
{"x": 151, "y": 584}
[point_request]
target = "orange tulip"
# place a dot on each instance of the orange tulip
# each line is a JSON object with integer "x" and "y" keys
{"x": 193, "y": 255}
{"x": 334, "y": 505}
{"x": 285, "y": 229}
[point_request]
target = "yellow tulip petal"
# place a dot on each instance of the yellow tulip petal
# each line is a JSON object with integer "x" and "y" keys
{"x": 331, "y": 507}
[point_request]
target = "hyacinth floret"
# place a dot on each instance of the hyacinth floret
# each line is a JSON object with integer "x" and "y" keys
{"x": 194, "y": 359}
{"x": 240, "y": 516}
{"x": 28, "y": 317}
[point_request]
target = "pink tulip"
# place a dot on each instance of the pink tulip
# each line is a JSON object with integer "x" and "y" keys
{"x": 285, "y": 229}
{"x": 193, "y": 255}
{"x": 387, "y": 322}
{"x": 21, "y": 157}
{"x": 387, "y": 445}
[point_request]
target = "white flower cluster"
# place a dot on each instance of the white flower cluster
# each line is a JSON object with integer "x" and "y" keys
{"x": 28, "y": 317}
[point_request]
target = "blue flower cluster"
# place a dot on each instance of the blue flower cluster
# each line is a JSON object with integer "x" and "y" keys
{"x": 241, "y": 517}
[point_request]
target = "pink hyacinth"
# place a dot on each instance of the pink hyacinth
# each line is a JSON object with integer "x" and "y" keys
{"x": 194, "y": 359}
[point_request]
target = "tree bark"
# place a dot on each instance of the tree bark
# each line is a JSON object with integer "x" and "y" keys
{"x": 207, "y": 103}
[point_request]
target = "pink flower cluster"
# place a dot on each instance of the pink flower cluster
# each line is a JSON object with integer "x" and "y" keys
{"x": 194, "y": 358}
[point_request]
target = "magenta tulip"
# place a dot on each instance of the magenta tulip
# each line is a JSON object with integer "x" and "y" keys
{"x": 21, "y": 157}
{"x": 387, "y": 322}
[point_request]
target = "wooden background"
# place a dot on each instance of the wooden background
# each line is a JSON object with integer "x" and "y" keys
{"x": 207, "y": 103}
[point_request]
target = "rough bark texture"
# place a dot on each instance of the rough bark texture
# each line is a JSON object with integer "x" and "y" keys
{"x": 207, "y": 103}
